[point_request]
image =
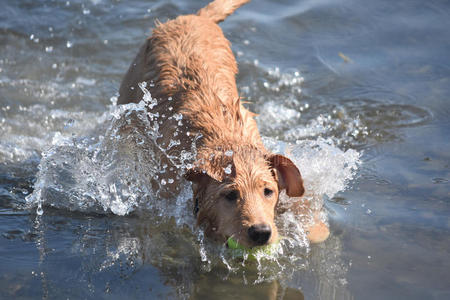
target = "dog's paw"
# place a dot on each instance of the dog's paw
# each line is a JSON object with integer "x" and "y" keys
{"x": 318, "y": 233}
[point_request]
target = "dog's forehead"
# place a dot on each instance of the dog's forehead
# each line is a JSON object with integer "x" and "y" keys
{"x": 249, "y": 160}
{"x": 239, "y": 165}
{"x": 251, "y": 167}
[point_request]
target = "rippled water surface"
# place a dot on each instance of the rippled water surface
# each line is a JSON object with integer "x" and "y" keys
{"x": 355, "y": 92}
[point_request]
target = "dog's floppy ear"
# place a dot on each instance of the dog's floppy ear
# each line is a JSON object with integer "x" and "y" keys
{"x": 289, "y": 176}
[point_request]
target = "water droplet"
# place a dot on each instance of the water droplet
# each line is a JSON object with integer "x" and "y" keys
{"x": 24, "y": 191}
{"x": 49, "y": 49}
{"x": 228, "y": 169}
{"x": 163, "y": 182}
{"x": 69, "y": 44}
{"x": 69, "y": 123}
{"x": 113, "y": 100}
{"x": 229, "y": 153}
{"x": 39, "y": 210}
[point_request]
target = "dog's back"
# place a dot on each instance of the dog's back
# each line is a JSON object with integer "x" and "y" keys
{"x": 181, "y": 53}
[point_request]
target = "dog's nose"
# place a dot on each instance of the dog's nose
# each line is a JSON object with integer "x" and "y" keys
{"x": 259, "y": 233}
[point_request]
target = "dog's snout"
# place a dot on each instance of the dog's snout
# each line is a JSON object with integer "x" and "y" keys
{"x": 260, "y": 233}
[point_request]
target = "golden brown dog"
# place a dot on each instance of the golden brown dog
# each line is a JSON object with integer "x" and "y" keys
{"x": 190, "y": 70}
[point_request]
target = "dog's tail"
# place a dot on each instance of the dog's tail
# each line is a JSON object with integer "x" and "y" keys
{"x": 218, "y": 10}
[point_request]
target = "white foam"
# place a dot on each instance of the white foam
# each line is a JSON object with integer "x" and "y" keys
{"x": 275, "y": 116}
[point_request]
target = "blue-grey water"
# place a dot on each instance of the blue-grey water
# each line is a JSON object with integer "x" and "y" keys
{"x": 358, "y": 90}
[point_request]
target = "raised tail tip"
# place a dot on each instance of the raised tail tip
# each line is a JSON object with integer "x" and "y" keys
{"x": 219, "y": 10}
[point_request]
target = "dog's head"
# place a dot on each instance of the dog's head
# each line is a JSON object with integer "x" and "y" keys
{"x": 236, "y": 192}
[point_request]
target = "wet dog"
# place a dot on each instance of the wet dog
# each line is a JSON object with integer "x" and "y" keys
{"x": 189, "y": 68}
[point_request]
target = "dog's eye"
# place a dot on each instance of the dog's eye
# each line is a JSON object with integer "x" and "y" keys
{"x": 232, "y": 195}
{"x": 268, "y": 192}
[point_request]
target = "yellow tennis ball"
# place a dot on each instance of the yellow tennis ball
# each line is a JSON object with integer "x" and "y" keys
{"x": 255, "y": 252}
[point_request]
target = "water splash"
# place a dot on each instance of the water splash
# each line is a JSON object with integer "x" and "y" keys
{"x": 353, "y": 121}
{"x": 114, "y": 168}
{"x": 112, "y": 172}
